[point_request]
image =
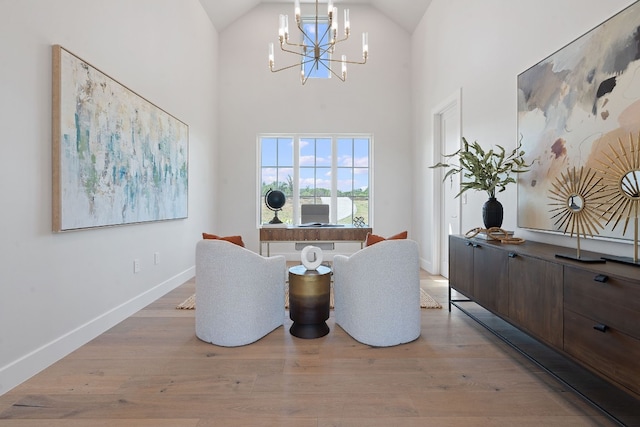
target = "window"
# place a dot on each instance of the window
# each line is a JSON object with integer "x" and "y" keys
{"x": 332, "y": 170}
{"x": 312, "y": 68}
{"x": 276, "y": 173}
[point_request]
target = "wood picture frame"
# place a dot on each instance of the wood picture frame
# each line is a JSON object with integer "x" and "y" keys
{"x": 117, "y": 158}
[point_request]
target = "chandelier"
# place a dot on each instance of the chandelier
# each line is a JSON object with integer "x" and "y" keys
{"x": 319, "y": 37}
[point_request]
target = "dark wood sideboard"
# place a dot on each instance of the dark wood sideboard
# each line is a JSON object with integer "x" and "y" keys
{"x": 587, "y": 312}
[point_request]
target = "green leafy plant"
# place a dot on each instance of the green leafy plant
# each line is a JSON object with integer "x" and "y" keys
{"x": 484, "y": 170}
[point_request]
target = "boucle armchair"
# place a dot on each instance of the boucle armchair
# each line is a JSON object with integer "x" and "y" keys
{"x": 377, "y": 293}
{"x": 239, "y": 294}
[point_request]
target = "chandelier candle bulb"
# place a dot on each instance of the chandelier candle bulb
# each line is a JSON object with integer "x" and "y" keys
{"x": 347, "y": 25}
{"x": 365, "y": 45}
{"x": 281, "y": 28}
{"x": 334, "y": 25}
{"x": 296, "y": 8}
{"x": 286, "y": 27}
{"x": 271, "y": 55}
{"x": 344, "y": 67}
{"x": 330, "y": 8}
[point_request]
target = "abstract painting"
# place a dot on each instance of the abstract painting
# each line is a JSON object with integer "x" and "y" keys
{"x": 572, "y": 106}
{"x": 117, "y": 158}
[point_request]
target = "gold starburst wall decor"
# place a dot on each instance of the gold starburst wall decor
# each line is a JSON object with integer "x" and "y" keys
{"x": 621, "y": 178}
{"x": 577, "y": 206}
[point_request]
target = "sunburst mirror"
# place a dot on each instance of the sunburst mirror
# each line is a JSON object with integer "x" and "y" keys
{"x": 621, "y": 176}
{"x": 577, "y": 207}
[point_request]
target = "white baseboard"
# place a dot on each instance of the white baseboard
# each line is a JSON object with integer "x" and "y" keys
{"x": 30, "y": 364}
{"x": 427, "y": 266}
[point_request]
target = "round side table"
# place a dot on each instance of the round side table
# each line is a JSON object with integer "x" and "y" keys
{"x": 309, "y": 294}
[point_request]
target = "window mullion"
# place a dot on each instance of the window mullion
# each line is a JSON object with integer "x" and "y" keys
{"x": 334, "y": 180}
{"x": 296, "y": 179}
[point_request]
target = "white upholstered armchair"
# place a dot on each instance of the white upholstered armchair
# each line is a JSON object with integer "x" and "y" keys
{"x": 239, "y": 294}
{"x": 377, "y": 293}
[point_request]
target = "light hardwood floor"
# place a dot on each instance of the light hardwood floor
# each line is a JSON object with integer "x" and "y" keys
{"x": 151, "y": 370}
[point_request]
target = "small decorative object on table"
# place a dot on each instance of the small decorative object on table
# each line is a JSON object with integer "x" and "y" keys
{"x": 275, "y": 200}
{"x": 358, "y": 221}
{"x": 487, "y": 171}
{"x": 311, "y": 257}
{"x": 494, "y": 233}
{"x": 577, "y": 205}
{"x": 621, "y": 174}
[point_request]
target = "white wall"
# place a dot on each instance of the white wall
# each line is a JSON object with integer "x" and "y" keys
{"x": 58, "y": 291}
{"x": 482, "y": 51}
{"x": 374, "y": 99}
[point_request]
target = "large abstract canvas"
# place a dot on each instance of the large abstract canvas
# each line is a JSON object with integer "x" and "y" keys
{"x": 572, "y": 106}
{"x": 117, "y": 158}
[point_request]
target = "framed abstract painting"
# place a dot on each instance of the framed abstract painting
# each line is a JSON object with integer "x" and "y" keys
{"x": 117, "y": 158}
{"x": 573, "y": 107}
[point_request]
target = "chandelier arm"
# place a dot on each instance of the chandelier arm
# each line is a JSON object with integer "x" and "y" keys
{"x": 326, "y": 32}
{"x": 299, "y": 45}
{"x": 299, "y": 64}
{"x": 331, "y": 71}
{"x": 292, "y": 51}
{"x": 325, "y": 48}
{"x": 305, "y": 36}
{"x": 336, "y": 41}
{"x": 308, "y": 46}
{"x": 347, "y": 62}
{"x": 284, "y": 68}
{"x": 339, "y": 77}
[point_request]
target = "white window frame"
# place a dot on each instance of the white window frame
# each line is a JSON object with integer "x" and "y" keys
{"x": 296, "y": 171}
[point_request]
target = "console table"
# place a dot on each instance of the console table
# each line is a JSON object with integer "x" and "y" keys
{"x": 312, "y": 234}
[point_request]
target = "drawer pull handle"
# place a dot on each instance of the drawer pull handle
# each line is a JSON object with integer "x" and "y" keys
{"x": 600, "y": 327}
{"x": 602, "y": 278}
{"x": 512, "y": 255}
{"x": 475, "y": 245}
{"x": 469, "y": 243}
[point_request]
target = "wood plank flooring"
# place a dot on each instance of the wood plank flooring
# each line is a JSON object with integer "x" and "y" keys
{"x": 151, "y": 370}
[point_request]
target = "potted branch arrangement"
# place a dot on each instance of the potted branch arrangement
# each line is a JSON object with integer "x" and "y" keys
{"x": 488, "y": 171}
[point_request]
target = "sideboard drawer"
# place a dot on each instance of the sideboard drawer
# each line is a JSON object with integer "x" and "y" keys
{"x": 606, "y": 299}
{"x": 603, "y": 348}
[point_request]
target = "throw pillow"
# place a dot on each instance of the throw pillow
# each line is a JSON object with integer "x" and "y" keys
{"x": 373, "y": 238}
{"x": 237, "y": 240}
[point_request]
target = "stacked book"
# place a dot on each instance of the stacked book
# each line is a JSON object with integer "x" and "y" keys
{"x": 494, "y": 235}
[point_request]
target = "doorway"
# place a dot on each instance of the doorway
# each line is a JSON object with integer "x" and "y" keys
{"x": 447, "y": 137}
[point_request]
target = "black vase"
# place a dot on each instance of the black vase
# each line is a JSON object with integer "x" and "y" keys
{"x": 492, "y": 213}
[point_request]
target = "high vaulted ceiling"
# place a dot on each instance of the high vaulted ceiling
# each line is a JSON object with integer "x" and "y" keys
{"x": 406, "y": 13}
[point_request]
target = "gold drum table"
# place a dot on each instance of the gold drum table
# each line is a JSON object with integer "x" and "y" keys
{"x": 309, "y": 297}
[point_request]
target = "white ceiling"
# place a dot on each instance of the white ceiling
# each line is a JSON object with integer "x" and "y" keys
{"x": 406, "y": 13}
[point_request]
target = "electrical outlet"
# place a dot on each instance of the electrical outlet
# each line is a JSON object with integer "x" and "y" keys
{"x": 156, "y": 258}
{"x": 136, "y": 266}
